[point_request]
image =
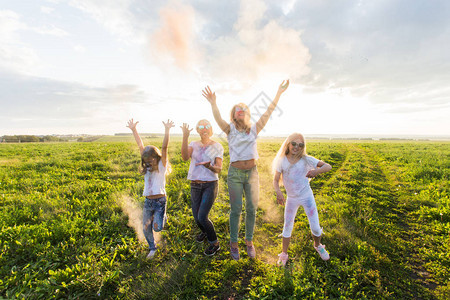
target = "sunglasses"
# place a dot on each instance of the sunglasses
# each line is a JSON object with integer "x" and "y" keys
{"x": 294, "y": 144}
{"x": 204, "y": 126}
{"x": 238, "y": 108}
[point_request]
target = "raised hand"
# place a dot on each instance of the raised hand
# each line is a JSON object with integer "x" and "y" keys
{"x": 131, "y": 124}
{"x": 209, "y": 95}
{"x": 169, "y": 124}
{"x": 283, "y": 86}
{"x": 185, "y": 129}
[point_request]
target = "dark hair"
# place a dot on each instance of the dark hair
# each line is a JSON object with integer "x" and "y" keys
{"x": 149, "y": 151}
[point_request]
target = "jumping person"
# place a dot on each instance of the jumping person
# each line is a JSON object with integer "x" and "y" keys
{"x": 242, "y": 172}
{"x": 297, "y": 168}
{"x": 206, "y": 163}
{"x": 155, "y": 166}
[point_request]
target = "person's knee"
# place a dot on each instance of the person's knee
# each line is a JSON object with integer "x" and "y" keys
{"x": 316, "y": 231}
{"x": 157, "y": 227}
{"x": 287, "y": 232}
{"x": 202, "y": 219}
{"x": 235, "y": 213}
{"x": 251, "y": 212}
{"x": 147, "y": 225}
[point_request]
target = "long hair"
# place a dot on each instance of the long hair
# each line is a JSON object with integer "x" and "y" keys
{"x": 284, "y": 150}
{"x": 148, "y": 152}
{"x": 247, "y": 123}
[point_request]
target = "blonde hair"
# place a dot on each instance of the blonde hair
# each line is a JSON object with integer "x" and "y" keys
{"x": 284, "y": 150}
{"x": 247, "y": 113}
{"x": 205, "y": 121}
{"x": 152, "y": 151}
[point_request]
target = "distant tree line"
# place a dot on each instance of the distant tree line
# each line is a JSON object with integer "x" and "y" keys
{"x": 30, "y": 139}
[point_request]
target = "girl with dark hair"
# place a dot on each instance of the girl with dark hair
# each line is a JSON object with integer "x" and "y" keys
{"x": 155, "y": 166}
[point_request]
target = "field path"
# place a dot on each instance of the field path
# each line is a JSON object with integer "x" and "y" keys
{"x": 409, "y": 227}
{"x": 368, "y": 200}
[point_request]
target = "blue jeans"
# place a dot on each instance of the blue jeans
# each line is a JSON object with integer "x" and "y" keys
{"x": 153, "y": 218}
{"x": 203, "y": 196}
{"x": 240, "y": 182}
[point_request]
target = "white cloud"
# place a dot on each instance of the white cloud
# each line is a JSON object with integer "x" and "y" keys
{"x": 50, "y": 30}
{"x": 258, "y": 48}
{"x": 57, "y": 103}
{"x": 46, "y": 9}
{"x": 14, "y": 54}
{"x": 253, "y": 49}
{"x": 391, "y": 51}
{"x": 79, "y": 48}
{"x": 115, "y": 16}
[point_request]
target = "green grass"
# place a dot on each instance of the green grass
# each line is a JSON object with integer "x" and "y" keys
{"x": 67, "y": 212}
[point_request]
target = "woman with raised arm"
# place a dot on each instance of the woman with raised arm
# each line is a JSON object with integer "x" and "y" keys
{"x": 206, "y": 163}
{"x": 155, "y": 166}
{"x": 242, "y": 173}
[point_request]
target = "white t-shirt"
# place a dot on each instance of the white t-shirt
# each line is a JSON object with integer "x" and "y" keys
{"x": 294, "y": 175}
{"x": 200, "y": 154}
{"x": 155, "y": 182}
{"x": 242, "y": 145}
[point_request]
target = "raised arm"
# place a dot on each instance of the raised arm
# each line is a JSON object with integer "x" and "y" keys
{"x": 265, "y": 117}
{"x": 211, "y": 97}
{"x": 276, "y": 186}
{"x": 165, "y": 143}
{"x": 186, "y": 151}
{"x": 132, "y": 126}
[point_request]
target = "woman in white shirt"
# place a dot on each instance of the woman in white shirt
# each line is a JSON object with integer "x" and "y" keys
{"x": 242, "y": 172}
{"x": 297, "y": 169}
{"x": 206, "y": 163}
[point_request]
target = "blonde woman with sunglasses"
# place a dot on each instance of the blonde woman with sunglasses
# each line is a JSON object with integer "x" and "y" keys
{"x": 242, "y": 173}
{"x": 206, "y": 158}
{"x": 297, "y": 169}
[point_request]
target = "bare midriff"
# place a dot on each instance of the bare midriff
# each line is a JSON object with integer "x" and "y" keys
{"x": 244, "y": 164}
{"x": 155, "y": 196}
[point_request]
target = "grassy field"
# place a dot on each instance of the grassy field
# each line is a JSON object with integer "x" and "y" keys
{"x": 70, "y": 218}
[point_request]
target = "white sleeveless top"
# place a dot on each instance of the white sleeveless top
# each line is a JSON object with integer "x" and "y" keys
{"x": 155, "y": 182}
{"x": 200, "y": 154}
{"x": 242, "y": 145}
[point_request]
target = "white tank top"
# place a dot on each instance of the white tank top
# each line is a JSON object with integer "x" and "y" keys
{"x": 155, "y": 182}
{"x": 242, "y": 145}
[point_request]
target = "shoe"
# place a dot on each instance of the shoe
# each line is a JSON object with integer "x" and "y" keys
{"x": 234, "y": 252}
{"x": 212, "y": 249}
{"x": 251, "y": 252}
{"x": 151, "y": 254}
{"x": 322, "y": 252}
{"x": 200, "y": 237}
{"x": 282, "y": 259}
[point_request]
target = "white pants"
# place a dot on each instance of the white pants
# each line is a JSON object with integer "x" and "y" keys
{"x": 290, "y": 210}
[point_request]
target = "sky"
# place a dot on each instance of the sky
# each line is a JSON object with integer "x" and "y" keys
{"x": 355, "y": 67}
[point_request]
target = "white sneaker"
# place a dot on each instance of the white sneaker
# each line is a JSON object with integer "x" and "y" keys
{"x": 322, "y": 252}
{"x": 151, "y": 254}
